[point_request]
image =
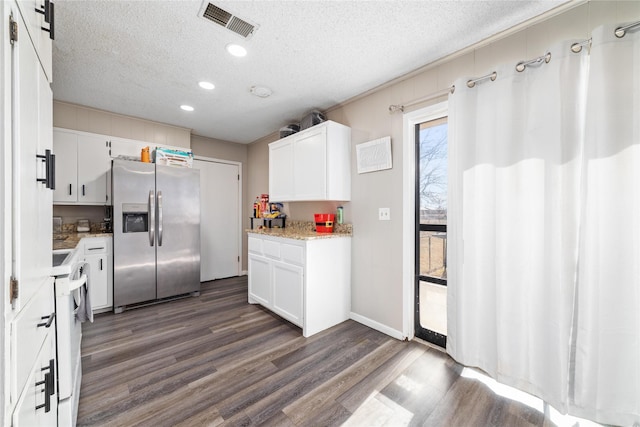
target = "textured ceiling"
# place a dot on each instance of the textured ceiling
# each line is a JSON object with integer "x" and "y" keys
{"x": 145, "y": 58}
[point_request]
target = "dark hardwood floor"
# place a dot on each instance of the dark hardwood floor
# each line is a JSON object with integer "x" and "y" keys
{"x": 217, "y": 360}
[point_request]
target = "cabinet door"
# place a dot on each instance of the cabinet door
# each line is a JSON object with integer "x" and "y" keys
{"x": 30, "y": 409}
{"x": 32, "y": 121}
{"x": 65, "y": 147}
{"x": 288, "y": 281}
{"x": 309, "y": 166}
{"x": 94, "y": 164}
{"x": 259, "y": 278}
{"x": 36, "y": 26}
{"x": 280, "y": 171}
{"x": 98, "y": 281}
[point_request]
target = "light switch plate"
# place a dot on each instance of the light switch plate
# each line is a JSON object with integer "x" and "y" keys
{"x": 384, "y": 214}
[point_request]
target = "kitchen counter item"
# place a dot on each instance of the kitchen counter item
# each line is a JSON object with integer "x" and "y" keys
{"x": 83, "y": 226}
{"x": 324, "y": 222}
{"x": 57, "y": 224}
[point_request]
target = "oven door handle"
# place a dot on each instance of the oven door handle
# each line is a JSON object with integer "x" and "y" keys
{"x": 72, "y": 285}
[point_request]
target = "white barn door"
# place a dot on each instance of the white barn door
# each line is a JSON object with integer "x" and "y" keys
{"x": 220, "y": 195}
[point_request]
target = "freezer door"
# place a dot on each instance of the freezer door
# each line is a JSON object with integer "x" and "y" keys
{"x": 178, "y": 230}
{"x": 134, "y": 255}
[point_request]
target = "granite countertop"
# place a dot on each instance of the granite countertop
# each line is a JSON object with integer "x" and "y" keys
{"x": 71, "y": 240}
{"x": 304, "y": 230}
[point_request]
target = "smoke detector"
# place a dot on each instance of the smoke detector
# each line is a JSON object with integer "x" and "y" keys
{"x": 240, "y": 26}
{"x": 260, "y": 91}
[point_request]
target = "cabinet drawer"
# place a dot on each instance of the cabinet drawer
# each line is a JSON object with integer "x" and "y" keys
{"x": 95, "y": 246}
{"x": 255, "y": 245}
{"x": 271, "y": 249}
{"x": 292, "y": 253}
{"x": 27, "y": 336}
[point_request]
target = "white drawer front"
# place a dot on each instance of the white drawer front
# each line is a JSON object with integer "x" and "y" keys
{"x": 255, "y": 245}
{"x": 95, "y": 245}
{"x": 271, "y": 249}
{"x": 27, "y": 337}
{"x": 292, "y": 253}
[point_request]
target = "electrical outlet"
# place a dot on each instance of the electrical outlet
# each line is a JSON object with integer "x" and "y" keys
{"x": 384, "y": 214}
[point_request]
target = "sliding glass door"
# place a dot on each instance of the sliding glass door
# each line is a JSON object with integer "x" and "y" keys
{"x": 431, "y": 231}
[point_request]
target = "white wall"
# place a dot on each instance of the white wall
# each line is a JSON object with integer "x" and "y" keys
{"x": 377, "y": 287}
{"x": 77, "y": 117}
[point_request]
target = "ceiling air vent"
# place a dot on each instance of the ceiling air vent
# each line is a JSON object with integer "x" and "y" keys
{"x": 226, "y": 19}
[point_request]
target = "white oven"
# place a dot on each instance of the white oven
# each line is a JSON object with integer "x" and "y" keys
{"x": 68, "y": 334}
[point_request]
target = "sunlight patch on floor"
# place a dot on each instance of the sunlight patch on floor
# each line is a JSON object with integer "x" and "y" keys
{"x": 379, "y": 411}
{"x": 533, "y": 402}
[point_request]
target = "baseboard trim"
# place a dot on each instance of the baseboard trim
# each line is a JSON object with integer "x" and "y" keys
{"x": 244, "y": 272}
{"x": 377, "y": 326}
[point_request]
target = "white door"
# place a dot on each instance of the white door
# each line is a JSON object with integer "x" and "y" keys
{"x": 219, "y": 219}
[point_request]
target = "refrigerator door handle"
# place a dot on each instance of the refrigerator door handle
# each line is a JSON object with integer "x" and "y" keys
{"x": 152, "y": 220}
{"x": 159, "y": 218}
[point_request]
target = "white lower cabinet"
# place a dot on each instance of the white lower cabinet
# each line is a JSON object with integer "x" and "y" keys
{"x": 33, "y": 361}
{"x": 97, "y": 253}
{"x": 307, "y": 282}
{"x": 38, "y": 404}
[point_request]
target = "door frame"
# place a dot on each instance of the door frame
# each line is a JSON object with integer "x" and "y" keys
{"x": 409, "y": 121}
{"x": 241, "y": 224}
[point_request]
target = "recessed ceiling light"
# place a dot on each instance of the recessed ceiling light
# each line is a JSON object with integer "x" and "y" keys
{"x": 187, "y": 107}
{"x": 236, "y": 50}
{"x": 206, "y": 85}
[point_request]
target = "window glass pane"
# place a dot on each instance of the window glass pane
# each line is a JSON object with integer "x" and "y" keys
{"x": 433, "y": 254}
{"x": 432, "y": 189}
{"x": 433, "y": 307}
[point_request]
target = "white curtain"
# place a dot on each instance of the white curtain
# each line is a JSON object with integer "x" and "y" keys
{"x": 607, "y": 333}
{"x": 514, "y": 209}
{"x": 544, "y": 228}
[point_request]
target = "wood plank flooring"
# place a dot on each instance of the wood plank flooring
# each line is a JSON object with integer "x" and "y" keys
{"x": 217, "y": 360}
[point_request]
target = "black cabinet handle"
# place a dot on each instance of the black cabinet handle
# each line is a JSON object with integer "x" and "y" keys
{"x": 49, "y": 17}
{"x": 46, "y": 11}
{"x": 70, "y": 189}
{"x": 52, "y": 376}
{"x": 83, "y": 189}
{"x": 100, "y": 264}
{"x": 50, "y": 318}
{"x": 49, "y": 161}
{"x": 51, "y": 174}
{"x": 47, "y": 392}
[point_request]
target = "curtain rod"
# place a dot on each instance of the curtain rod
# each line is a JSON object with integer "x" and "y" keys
{"x": 577, "y": 47}
{"x": 520, "y": 66}
{"x": 394, "y": 108}
{"x": 472, "y": 82}
{"x": 621, "y": 31}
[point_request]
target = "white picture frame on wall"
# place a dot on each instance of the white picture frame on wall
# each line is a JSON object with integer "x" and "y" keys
{"x": 374, "y": 155}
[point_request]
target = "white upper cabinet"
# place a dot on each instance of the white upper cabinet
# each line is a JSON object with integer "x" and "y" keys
{"x": 82, "y": 168}
{"x": 314, "y": 164}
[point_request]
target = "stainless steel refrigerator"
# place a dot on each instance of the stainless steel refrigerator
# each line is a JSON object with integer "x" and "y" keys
{"x": 156, "y": 232}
